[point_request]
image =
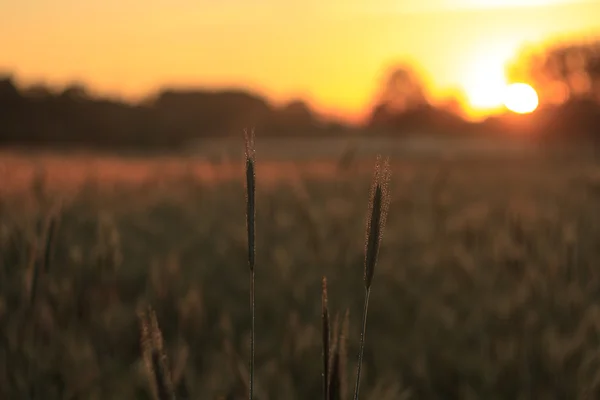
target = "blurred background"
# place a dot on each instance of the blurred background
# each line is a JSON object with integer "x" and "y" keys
{"x": 121, "y": 145}
{"x": 163, "y": 75}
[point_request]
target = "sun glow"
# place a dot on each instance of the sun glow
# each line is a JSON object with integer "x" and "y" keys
{"x": 488, "y": 90}
{"x": 521, "y": 98}
{"x": 485, "y": 84}
{"x": 512, "y": 3}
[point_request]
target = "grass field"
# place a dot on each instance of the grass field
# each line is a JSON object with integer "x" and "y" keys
{"x": 487, "y": 287}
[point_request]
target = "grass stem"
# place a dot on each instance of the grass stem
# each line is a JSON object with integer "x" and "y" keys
{"x": 362, "y": 343}
{"x": 251, "y": 230}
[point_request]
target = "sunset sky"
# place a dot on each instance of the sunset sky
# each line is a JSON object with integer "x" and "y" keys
{"x": 331, "y": 53}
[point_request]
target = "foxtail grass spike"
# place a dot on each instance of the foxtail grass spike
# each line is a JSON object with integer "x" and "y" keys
{"x": 325, "y": 332}
{"x": 250, "y": 218}
{"x": 379, "y": 202}
{"x": 250, "y": 195}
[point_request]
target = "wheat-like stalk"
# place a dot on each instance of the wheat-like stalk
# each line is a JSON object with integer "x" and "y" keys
{"x": 334, "y": 351}
{"x": 39, "y": 268}
{"x": 325, "y": 332}
{"x": 342, "y": 356}
{"x": 33, "y": 271}
{"x": 334, "y": 381}
{"x": 154, "y": 356}
{"x": 51, "y": 231}
{"x": 250, "y": 225}
{"x": 333, "y": 373}
{"x": 378, "y": 207}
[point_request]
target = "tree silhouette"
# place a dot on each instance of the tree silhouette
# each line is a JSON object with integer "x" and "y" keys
{"x": 37, "y": 91}
{"x": 75, "y": 91}
{"x": 402, "y": 90}
{"x": 8, "y": 90}
{"x": 401, "y": 93}
{"x": 561, "y": 72}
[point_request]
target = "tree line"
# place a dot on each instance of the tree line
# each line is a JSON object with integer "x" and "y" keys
{"x": 566, "y": 76}
{"x": 35, "y": 116}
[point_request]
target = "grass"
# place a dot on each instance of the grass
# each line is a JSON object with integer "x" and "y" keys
{"x": 379, "y": 203}
{"x": 486, "y": 287}
{"x": 250, "y": 217}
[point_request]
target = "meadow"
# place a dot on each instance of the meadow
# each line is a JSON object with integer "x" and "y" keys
{"x": 487, "y": 286}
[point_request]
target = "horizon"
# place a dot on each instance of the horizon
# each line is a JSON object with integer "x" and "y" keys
{"x": 328, "y": 62}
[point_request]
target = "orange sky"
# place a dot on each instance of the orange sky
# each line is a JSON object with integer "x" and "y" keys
{"x": 331, "y": 53}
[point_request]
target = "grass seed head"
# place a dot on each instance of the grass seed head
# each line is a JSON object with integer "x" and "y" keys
{"x": 250, "y": 152}
{"x": 379, "y": 202}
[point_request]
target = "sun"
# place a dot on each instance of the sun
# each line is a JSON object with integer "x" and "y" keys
{"x": 488, "y": 91}
{"x": 521, "y": 98}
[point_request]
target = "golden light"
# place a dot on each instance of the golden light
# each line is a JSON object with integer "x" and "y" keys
{"x": 487, "y": 93}
{"x": 484, "y": 80}
{"x": 521, "y": 98}
{"x": 510, "y": 3}
{"x": 487, "y": 88}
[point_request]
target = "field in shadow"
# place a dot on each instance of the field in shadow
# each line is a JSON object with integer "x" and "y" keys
{"x": 487, "y": 284}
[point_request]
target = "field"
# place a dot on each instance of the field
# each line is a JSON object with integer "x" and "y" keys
{"x": 487, "y": 287}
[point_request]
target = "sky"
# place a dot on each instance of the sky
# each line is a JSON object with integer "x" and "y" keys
{"x": 331, "y": 53}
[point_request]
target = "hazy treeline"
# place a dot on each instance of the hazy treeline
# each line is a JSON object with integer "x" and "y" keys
{"x": 36, "y": 116}
{"x": 567, "y": 77}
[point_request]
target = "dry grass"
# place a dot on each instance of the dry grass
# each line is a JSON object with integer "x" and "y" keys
{"x": 379, "y": 203}
{"x": 250, "y": 218}
{"x": 154, "y": 356}
{"x": 487, "y": 285}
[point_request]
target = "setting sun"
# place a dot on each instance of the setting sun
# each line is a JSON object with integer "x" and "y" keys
{"x": 521, "y": 98}
{"x": 147, "y": 46}
{"x": 487, "y": 88}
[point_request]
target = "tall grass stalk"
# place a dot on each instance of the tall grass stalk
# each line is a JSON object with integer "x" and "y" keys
{"x": 342, "y": 357}
{"x": 379, "y": 201}
{"x": 334, "y": 351}
{"x": 39, "y": 266}
{"x": 325, "y": 332}
{"x": 250, "y": 217}
{"x": 154, "y": 356}
{"x": 333, "y": 383}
